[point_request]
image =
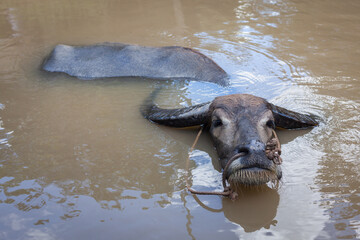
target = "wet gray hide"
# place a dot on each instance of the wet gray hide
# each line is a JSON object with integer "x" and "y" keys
{"x": 122, "y": 60}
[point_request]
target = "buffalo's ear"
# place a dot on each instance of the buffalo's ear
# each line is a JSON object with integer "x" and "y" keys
{"x": 292, "y": 120}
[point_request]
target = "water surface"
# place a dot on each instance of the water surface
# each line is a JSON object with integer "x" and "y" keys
{"x": 77, "y": 160}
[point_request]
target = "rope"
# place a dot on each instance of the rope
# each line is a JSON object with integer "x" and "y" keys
{"x": 272, "y": 151}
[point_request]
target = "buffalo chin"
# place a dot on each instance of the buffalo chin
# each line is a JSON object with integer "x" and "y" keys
{"x": 251, "y": 177}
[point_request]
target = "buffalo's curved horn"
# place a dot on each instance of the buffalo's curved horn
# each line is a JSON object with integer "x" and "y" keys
{"x": 291, "y": 120}
{"x": 181, "y": 117}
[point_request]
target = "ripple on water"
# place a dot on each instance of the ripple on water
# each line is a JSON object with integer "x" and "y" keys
{"x": 252, "y": 66}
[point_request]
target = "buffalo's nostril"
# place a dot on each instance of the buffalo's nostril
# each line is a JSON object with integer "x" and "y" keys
{"x": 243, "y": 150}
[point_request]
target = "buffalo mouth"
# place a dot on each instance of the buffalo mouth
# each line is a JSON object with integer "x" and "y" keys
{"x": 251, "y": 176}
{"x": 261, "y": 171}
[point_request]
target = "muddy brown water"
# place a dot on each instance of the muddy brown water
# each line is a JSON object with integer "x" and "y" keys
{"x": 77, "y": 160}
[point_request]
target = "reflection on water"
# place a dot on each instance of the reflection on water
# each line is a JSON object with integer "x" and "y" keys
{"x": 77, "y": 159}
{"x": 257, "y": 206}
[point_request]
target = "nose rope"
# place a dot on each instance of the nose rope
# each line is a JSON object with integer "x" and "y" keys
{"x": 227, "y": 191}
{"x": 272, "y": 151}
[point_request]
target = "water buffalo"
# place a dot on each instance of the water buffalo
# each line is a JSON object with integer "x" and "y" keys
{"x": 238, "y": 123}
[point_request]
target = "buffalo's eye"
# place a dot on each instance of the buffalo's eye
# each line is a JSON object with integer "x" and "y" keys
{"x": 270, "y": 124}
{"x": 217, "y": 123}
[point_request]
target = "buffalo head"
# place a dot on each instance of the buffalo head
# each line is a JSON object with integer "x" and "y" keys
{"x": 238, "y": 123}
